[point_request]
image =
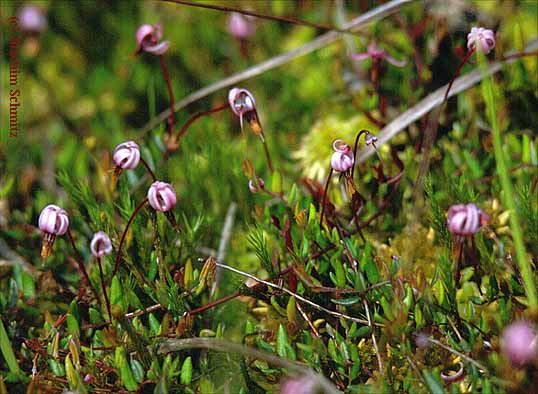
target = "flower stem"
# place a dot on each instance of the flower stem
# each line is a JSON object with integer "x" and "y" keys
{"x": 148, "y": 169}
{"x": 325, "y": 198}
{"x": 81, "y": 266}
{"x": 102, "y": 276}
{"x": 214, "y": 303}
{"x": 197, "y": 116}
{"x": 166, "y": 75}
{"x": 118, "y": 255}
{"x": 508, "y": 191}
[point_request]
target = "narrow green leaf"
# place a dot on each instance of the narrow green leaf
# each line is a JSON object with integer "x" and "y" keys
{"x": 7, "y": 352}
{"x": 186, "y": 371}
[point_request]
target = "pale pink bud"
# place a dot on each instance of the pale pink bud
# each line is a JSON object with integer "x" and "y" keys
{"x": 342, "y": 158}
{"x": 162, "y": 196}
{"x": 32, "y": 19}
{"x": 519, "y": 343}
{"x": 465, "y": 219}
{"x": 481, "y": 39}
{"x": 300, "y": 385}
{"x": 127, "y": 155}
{"x": 101, "y": 244}
{"x": 53, "y": 220}
{"x": 148, "y": 38}
{"x": 369, "y": 138}
{"x": 241, "y": 101}
{"x": 240, "y": 26}
{"x": 256, "y": 188}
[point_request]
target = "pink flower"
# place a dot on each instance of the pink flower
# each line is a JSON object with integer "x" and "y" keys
{"x": 256, "y": 188}
{"x": 162, "y": 196}
{"x": 32, "y": 19}
{"x": 519, "y": 342}
{"x": 377, "y": 54}
{"x": 369, "y": 138}
{"x": 342, "y": 158}
{"x": 53, "y": 220}
{"x": 240, "y": 26}
{"x": 300, "y": 385}
{"x": 481, "y": 39}
{"x": 101, "y": 244}
{"x": 148, "y": 38}
{"x": 242, "y": 103}
{"x": 465, "y": 219}
{"x": 127, "y": 155}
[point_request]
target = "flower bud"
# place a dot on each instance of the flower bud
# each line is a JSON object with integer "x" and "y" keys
{"x": 240, "y": 26}
{"x": 148, "y": 38}
{"x": 465, "y": 219}
{"x": 481, "y": 39}
{"x": 300, "y": 385}
{"x": 519, "y": 342}
{"x": 243, "y": 104}
{"x": 369, "y": 138}
{"x": 101, "y": 244}
{"x": 32, "y": 19}
{"x": 256, "y": 188}
{"x": 162, "y": 196}
{"x": 342, "y": 158}
{"x": 127, "y": 155}
{"x": 53, "y": 221}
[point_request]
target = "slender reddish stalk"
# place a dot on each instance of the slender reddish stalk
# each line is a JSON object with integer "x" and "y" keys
{"x": 267, "y": 155}
{"x": 148, "y": 169}
{"x": 457, "y": 72}
{"x": 118, "y": 255}
{"x": 166, "y": 74}
{"x": 197, "y": 116}
{"x": 519, "y": 55}
{"x": 325, "y": 197}
{"x": 363, "y": 131}
{"x": 81, "y": 266}
{"x": 102, "y": 276}
{"x": 214, "y": 303}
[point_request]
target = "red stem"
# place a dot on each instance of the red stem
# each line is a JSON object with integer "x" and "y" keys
{"x": 325, "y": 197}
{"x": 148, "y": 169}
{"x": 197, "y": 116}
{"x": 118, "y": 255}
{"x": 81, "y": 266}
{"x": 458, "y": 70}
{"x": 214, "y": 303}
{"x": 107, "y": 301}
{"x": 171, "y": 125}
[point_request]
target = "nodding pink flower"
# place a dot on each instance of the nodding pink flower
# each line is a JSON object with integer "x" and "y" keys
{"x": 465, "y": 219}
{"x": 455, "y": 376}
{"x": 377, "y": 54}
{"x": 240, "y": 26}
{"x": 162, "y": 196}
{"x": 127, "y": 155}
{"x": 369, "y": 138}
{"x": 148, "y": 38}
{"x": 481, "y": 39}
{"x": 301, "y": 385}
{"x": 342, "y": 158}
{"x": 101, "y": 244}
{"x": 53, "y": 221}
{"x": 256, "y": 188}
{"x": 519, "y": 342}
{"x": 243, "y": 104}
{"x": 32, "y": 19}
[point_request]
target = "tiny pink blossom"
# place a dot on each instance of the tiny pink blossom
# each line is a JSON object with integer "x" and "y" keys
{"x": 342, "y": 159}
{"x": 243, "y": 104}
{"x": 519, "y": 342}
{"x": 240, "y": 26}
{"x": 377, "y": 54}
{"x": 148, "y": 38}
{"x": 100, "y": 244}
{"x": 127, "y": 155}
{"x": 369, "y": 138}
{"x": 466, "y": 219}
{"x": 481, "y": 39}
{"x": 255, "y": 189}
{"x": 162, "y": 196}
{"x": 32, "y": 19}
{"x": 300, "y": 385}
{"x": 53, "y": 220}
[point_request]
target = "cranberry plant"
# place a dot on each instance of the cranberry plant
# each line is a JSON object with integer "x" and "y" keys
{"x": 280, "y": 229}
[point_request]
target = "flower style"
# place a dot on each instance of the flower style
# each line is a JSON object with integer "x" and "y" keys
{"x": 243, "y": 104}
{"x": 127, "y": 155}
{"x": 32, "y": 19}
{"x": 377, "y": 54}
{"x": 162, "y": 196}
{"x": 148, "y": 38}
{"x": 53, "y": 221}
{"x": 240, "y": 26}
{"x": 465, "y": 220}
{"x": 342, "y": 159}
{"x": 519, "y": 342}
{"x": 481, "y": 39}
{"x": 100, "y": 244}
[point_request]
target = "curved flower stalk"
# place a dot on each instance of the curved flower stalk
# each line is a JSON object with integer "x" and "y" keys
{"x": 464, "y": 221}
{"x": 149, "y": 40}
{"x": 102, "y": 246}
{"x": 126, "y": 156}
{"x": 243, "y": 105}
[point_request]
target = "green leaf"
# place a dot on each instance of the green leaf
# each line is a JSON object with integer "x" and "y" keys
{"x": 117, "y": 299}
{"x": 432, "y": 383}
{"x": 186, "y": 371}
{"x": 346, "y": 301}
{"x": 124, "y": 368}
{"x": 7, "y": 352}
{"x": 138, "y": 370}
{"x": 281, "y": 341}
